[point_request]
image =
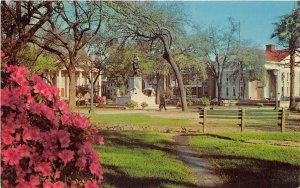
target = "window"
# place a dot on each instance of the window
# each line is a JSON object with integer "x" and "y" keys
{"x": 287, "y": 77}
{"x": 227, "y": 91}
{"x": 233, "y": 91}
{"x": 282, "y": 77}
{"x": 282, "y": 91}
{"x": 242, "y": 90}
{"x": 287, "y": 91}
{"x": 205, "y": 90}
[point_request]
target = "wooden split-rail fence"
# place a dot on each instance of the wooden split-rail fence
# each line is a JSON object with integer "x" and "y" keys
{"x": 242, "y": 115}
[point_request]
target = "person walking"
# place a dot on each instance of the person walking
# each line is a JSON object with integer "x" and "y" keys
{"x": 162, "y": 103}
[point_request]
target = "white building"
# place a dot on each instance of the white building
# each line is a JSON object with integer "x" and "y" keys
{"x": 256, "y": 90}
{"x": 63, "y": 80}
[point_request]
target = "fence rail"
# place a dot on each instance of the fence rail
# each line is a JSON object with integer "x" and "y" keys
{"x": 241, "y": 114}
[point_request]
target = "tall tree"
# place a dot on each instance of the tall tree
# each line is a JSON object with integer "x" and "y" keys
{"x": 246, "y": 66}
{"x": 70, "y": 28}
{"x": 20, "y": 20}
{"x": 217, "y": 45}
{"x": 154, "y": 23}
{"x": 287, "y": 31}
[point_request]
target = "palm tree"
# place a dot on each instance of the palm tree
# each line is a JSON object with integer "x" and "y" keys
{"x": 287, "y": 31}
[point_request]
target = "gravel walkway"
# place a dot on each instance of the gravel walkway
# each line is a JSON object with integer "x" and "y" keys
{"x": 202, "y": 170}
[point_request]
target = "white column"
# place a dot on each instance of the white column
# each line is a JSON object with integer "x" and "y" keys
{"x": 58, "y": 82}
{"x": 99, "y": 83}
{"x": 80, "y": 78}
{"x": 67, "y": 85}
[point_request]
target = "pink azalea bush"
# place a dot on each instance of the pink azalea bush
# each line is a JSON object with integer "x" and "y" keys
{"x": 100, "y": 100}
{"x": 43, "y": 143}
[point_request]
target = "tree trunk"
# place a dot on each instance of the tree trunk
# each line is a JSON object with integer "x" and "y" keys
{"x": 167, "y": 56}
{"x": 72, "y": 87}
{"x": 244, "y": 88}
{"x": 157, "y": 92}
{"x": 292, "y": 81}
{"x": 219, "y": 93}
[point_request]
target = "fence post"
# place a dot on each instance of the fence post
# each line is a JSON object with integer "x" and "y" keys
{"x": 242, "y": 116}
{"x": 201, "y": 116}
{"x": 282, "y": 124}
{"x": 204, "y": 119}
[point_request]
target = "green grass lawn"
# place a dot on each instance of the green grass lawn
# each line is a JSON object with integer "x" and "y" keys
{"x": 137, "y": 120}
{"x": 253, "y": 159}
{"x": 141, "y": 159}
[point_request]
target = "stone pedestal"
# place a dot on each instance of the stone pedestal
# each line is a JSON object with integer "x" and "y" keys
{"x": 135, "y": 84}
{"x": 135, "y": 94}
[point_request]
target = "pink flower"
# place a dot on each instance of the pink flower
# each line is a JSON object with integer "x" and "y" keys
{"x": 90, "y": 184}
{"x": 44, "y": 168}
{"x": 24, "y": 184}
{"x": 35, "y": 108}
{"x": 24, "y": 150}
{"x": 5, "y": 96}
{"x": 81, "y": 162}
{"x": 100, "y": 140}
{"x": 6, "y": 138}
{"x": 62, "y": 106}
{"x": 58, "y": 184}
{"x": 95, "y": 169}
{"x": 64, "y": 138}
{"x": 11, "y": 156}
{"x": 66, "y": 156}
{"x": 57, "y": 174}
{"x": 18, "y": 74}
{"x": 34, "y": 181}
{"x": 2, "y": 54}
{"x": 28, "y": 134}
{"x": 47, "y": 184}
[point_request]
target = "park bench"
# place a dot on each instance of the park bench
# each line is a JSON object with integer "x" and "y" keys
{"x": 206, "y": 113}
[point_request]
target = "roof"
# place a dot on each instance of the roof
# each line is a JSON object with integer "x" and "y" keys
{"x": 276, "y": 55}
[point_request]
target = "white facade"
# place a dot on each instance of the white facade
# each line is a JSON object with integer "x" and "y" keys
{"x": 257, "y": 90}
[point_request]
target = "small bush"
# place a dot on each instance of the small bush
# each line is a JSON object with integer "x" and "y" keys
{"x": 131, "y": 104}
{"x": 204, "y": 101}
{"x": 100, "y": 100}
{"x": 144, "y": 105}
{"x": 189, "y": 103}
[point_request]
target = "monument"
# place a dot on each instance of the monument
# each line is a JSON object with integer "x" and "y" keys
{"x": 135, "y": 88}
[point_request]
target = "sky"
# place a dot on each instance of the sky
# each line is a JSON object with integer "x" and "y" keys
{"x": 256, "y": 17}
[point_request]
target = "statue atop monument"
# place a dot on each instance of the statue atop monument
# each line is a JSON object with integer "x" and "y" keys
{"x": 136, "y": 69}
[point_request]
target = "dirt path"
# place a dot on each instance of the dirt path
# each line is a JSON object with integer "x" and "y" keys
{"x": 202, "y": 170}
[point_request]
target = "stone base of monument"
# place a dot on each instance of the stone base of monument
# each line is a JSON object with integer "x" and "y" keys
{"x": 135, "y": 94}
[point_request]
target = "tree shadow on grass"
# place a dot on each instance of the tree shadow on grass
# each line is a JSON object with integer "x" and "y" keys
{"x": 248, "y": 172}
{"x": 124, "y": 140}
{"x": 116, "y": 177}
{"x": 120, "y": 179}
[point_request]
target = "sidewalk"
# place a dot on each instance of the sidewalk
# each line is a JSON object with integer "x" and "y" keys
{"x": 202, "y": 170}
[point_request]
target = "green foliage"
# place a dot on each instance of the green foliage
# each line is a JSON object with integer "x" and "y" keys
{"x": 131, "y": 104}
{"x": 287, "y": 29}
{"x": 144, "y": 105}
{"x": 248, "y": 65}
{"x": 204, "y": 101}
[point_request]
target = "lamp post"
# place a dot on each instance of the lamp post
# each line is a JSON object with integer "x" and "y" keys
{"x": 93, "y": 58}
{"x": 275, "y": 72}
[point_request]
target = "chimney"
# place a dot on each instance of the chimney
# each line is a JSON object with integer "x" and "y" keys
{"x": 270, "y": 47}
